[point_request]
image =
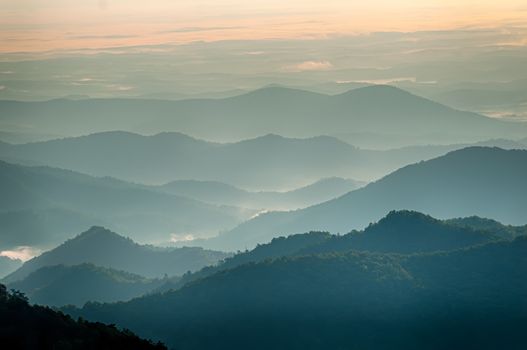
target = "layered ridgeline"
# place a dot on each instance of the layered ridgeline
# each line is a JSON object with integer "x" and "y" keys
{"x": 61, "y": 285}
{"x": 222, "y": 194}
{"x": 375, "y": 109}
{"x": 105, "y": 248}
{"x": 400, "y": 232}
{"x": 269, "y": 162}
{"x": 42, "y": 206}
{"x": 488, "y": 182}
{"x": 24, "y": 326}
{"x": 316, "y": 290}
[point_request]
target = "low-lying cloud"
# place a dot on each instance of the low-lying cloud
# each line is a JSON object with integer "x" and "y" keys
{"x": 310, "y": 66}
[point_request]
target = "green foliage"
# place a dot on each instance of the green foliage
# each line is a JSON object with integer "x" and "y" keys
{"x": 404, "y": 232}
{"x": 278, "y": 247}
{"x": 407, "y": 232}
{"x": 348, "y": 300}
{"x": 492, "y": 226}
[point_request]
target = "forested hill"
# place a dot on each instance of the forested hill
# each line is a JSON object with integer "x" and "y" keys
{"x": 344, "y": 300}
{"x": 403, "y": 232}
{"x": 23, "y": 326}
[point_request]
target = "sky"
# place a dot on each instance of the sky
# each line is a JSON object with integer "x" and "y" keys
{"x": 172, "y": 49}
{"x": 47, "y": 25}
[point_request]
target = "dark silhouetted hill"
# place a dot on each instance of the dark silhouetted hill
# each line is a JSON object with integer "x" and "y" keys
{"x": 343, "y": 300}
{"x": 401, "y": 232}
{"x": 24, "y": 326}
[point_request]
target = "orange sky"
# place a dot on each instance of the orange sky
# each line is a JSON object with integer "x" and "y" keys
{"x": 38, "y": 25}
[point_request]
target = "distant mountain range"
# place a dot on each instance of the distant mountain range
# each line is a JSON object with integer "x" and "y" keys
{"x": 222, "y": 194}
{"x": 42, "y": 206}
{"x": 269, "y": 162}
{"x": 488, "y": 182}
{"x": 104, "y": 248}
{"x": 314, "y": 290}
{"x": 377, "y": 109}
{"x": 61, "y": 285}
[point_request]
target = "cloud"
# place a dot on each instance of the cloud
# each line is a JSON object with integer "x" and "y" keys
{"x": 89, "y": 80}
{"x": 199, "y": 29}
{"x": 112, "y": 36}
{"x": 310, "y": 66}
{"x": 254, "y": 53}
{"x": 117, "y": 87}
{"x": 2, "y": 87}
{"x": 181, "y": 237}
{"x": 23, "y": 253}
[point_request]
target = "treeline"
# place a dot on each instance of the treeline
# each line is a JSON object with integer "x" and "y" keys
{"x": 468, "y": 298}
{"x": 25, "y": 326}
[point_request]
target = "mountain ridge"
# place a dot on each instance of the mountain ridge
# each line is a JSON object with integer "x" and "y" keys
{"x": 259, "y": 113}
{"x": 59, "y": 285}
{"x": 74, "y": 200}
{"x": 489, "y": 182}
{"x": 105, "y": 248}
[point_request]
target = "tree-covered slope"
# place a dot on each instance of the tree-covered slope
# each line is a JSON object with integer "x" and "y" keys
{"x": 401, "y": 232}
{"x": 24, "y": 326}
{"x": 344, "y": 300}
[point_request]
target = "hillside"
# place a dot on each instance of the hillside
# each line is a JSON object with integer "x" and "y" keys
{"x": 265, "y": 163}
{"x": 379, "y": 109}
{"x": 487, "y": 182}
{"x": 8, "y": 265}
{"x": 343, "y": 300}
{"x": 408, "y": 232}
{"x": 222, "y": 194}
{"x": 42, "y": 206}
{"x": 269, "y": 162}
{"x": 104, "y": 248}
{"x": 401, "y": 232}
{"x": 61, "y": 285}
{"x": 24, "y": 326}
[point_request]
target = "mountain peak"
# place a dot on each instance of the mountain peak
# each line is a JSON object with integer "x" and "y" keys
{"x": 376, "y": 90}
{"x": 396, "y": 218}
{"x": 279, "y": 92}
{"x": 98, "y": 233}
{"x": 170, "y": 135}
{"x": 94, "y": 230}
